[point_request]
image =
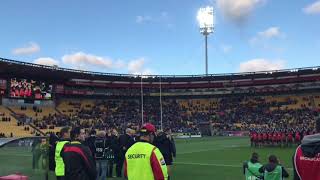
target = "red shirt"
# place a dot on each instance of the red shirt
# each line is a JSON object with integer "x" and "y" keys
{"x": 255, "y": 136}
{"x": 265, "y": 136}
{"x": 279, "y": 136}
{"x": 306, "y": 168}
{"x": 298, "y": 136}
{"x": 275, "y": 136}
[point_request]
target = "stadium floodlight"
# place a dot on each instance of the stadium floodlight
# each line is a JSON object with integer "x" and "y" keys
{"x": 206, "y": 20}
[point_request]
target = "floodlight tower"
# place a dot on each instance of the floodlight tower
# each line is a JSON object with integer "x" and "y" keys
{"x": 206, "y": 22}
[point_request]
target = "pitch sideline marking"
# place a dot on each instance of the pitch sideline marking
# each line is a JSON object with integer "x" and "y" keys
{"x": 212, "y": 164}
{"x": 214, "y": 149}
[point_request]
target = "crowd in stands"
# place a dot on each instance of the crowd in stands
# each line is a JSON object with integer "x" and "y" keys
{"x": 241, "y": 113}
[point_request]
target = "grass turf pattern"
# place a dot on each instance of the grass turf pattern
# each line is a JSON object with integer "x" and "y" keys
{"x": 197, "y": 159}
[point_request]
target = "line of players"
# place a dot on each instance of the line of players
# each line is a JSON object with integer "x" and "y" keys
{"x": 281, "y": 138}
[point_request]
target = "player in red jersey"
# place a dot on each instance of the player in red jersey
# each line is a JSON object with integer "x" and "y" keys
{"x": 279, "y": 138}
{"x": 283, "y": 139}
{"x": 255, "y": 139}
{"x": 251, "y": 138}
{"x": 297, "y": 138}
{"x": 274, "y": 139}
{"x": 265, "y": 138}
{"x": 270, "y": 135}
{"x": 260, "y": 138}
{"x": 290, "y": 139}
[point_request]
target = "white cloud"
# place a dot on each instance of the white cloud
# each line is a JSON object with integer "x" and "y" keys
{"x": 261, "y": 65}
{"x": 143, "y": 19}
{"x": 82, "y": 59}
{"x": 269, "y": 33}
{"x": 46, "y": 61}
{"x": 136, "y": 66}
{"x": 31, "y": 48}
{"x": 313, "y": 8}
{"x": 226, "y": 48}
{"x": 238, "y": 11}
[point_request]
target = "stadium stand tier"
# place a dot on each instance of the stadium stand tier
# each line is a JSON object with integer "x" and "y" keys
{"x": 45, "y": 98}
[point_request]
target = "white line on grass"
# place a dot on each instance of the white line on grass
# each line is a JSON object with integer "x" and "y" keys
{"x": 212, "y": 164}
{"x": 213, "y": 149}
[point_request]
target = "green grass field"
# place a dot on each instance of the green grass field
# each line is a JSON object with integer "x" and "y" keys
{"x": 197, "y": 159}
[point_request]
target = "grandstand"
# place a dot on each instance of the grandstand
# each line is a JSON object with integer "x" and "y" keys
{"x": 92, "y": 98}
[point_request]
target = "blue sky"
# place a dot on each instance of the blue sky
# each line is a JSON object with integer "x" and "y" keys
{"x": 161, "y": 37}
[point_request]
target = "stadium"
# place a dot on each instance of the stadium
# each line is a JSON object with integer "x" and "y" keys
{"x": 226, "y": 106}
{"x": 160, "y": 90}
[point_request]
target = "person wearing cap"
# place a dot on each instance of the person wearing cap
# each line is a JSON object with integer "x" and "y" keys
{"x": 251, "y": 168}
{"x": 144, "y": 161}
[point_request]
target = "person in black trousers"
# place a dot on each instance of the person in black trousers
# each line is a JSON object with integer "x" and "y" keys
{"x": 167, "y": 147}
{"x": 125, "y": 142}
{"x": 112, "y": 139}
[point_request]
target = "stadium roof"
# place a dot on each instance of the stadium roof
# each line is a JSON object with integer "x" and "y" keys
{"x": 12, "y": 68}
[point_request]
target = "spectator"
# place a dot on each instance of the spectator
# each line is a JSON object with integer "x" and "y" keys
{"x": 273, "y": 170}
{"x": 251, "y": 168}
{"x": 125, "y": 142}
{"x": 79, "y": 163}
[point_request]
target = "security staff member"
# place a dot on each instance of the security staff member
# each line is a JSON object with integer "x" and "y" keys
{"x": 144, "y": 161}
{"x": 273, "y": 170}
{"x": 251, "y": 168}
{"x": 306, "y": 159}
{"x": 64, "y": 139}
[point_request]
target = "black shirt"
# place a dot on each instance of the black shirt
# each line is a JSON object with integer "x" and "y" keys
{"x": 79, "y": 162}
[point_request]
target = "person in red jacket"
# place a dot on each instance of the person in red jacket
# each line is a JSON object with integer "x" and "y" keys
{"x": 306, "y": 160}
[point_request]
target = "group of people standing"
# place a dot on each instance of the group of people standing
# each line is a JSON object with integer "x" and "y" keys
{"x": 283, "y": 138}
{"x": 143, "y": 155}
{"x": 305, "y": 160}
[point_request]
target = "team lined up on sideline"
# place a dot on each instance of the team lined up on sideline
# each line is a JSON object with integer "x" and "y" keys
{"x": 281, "y": 138}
